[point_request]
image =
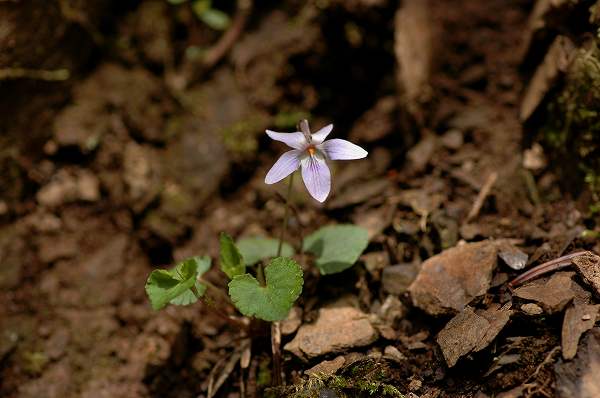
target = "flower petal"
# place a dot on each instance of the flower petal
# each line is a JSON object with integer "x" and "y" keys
{"x": 319, "y": 136}
{"x": 316, "y": 176}
{"x": 284, "y": 166}
{"x": 338, "y": 149}
{"x": 295, "y": 140}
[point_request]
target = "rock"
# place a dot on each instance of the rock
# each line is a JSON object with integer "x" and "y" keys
{"x": 532, "y": 309}
{"x": 327, "y": 367}
{"x": 52, "y": 248}
{"x": 394, "y": 354}
{"x": 69, "y": 186}
{"x": 579, "y": 377}
{"x": 452, "y": 139}
{"x": 375, "y": 261}
{"x": 512, "y": 256}
{"x": 396, "y": 279}
{"x": 141, "y": 174}
{"x": 293, "y": 321}
{"x": 579, "y": 318}
{"x": 449, "y": 281}
{"x": 471, "y": 332}
{"x": 552, "y": 293}
{"x": 336, "y": 329}
{"x": 588, "y": 266}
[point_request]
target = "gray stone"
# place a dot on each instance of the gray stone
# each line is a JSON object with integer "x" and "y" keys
{"x": 335, "y": 330}
{"x": 397, "y": 278}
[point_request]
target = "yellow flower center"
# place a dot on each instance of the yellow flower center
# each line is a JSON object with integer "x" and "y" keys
{"x": 311, "y": 150}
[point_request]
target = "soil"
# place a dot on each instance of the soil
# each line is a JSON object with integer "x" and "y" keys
{"x": 145, "y": 154}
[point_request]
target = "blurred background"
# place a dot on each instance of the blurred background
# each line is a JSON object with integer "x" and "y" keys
{"x": 132, "y": 132}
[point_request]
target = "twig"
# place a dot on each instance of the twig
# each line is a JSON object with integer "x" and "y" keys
{"x": 218, "y": 51}
{"x": 538, "y": 270}
{"x": 213, "y": 386}
{"x": 483, "y": 194}
{"x": 36, "y": 74}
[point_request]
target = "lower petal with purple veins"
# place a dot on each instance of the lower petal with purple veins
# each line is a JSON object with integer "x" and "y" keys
{"x": 316, "y": 176}
{"x": 285, "y": 165}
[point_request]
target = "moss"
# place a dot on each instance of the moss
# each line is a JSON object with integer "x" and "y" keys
{"x": 241, "y": 138}
{"x": 35, "y": 362}
{"x": 571, "y": 134}
{"x": 367, "y": 378}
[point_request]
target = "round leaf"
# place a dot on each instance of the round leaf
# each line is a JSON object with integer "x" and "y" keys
{"x": 284, "y": 280}
{"x": 232, "y": 261}
{"x": 168, "y": 286}
{"x": 337, "y": 247}
{"x": 256, "y": 248}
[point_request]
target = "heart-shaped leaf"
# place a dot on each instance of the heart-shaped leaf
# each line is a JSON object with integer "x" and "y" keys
{"x": 337, "y": 247}
{"x": 272, "y": 302}
{"x": 232, "y": 261}
{"x": 177, "y": 285}
{"x": 256, "y": 248}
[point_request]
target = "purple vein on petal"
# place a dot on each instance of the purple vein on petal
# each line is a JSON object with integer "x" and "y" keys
{"x": 284, "y": 166}
{"x": 317, "y": 177}
{"x": 338, "y": 149}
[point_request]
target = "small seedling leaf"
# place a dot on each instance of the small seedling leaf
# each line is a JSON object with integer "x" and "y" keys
{"x": 256, "y": 248}
{"x": 232, "y": 261}
{"x": 176, "y": 285}
{"x": 272, "y": 302}
{"x": 216, "y": 19}
{"x": 337, "y": 247}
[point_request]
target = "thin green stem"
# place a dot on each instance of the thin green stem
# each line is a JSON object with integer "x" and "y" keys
{"x": 276, "y": 326}
{"x": 260, "y": 274}
{"x": 286, "y": 215}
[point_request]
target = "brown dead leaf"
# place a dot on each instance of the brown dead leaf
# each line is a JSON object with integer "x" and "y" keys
{"x": 555, "y": 62}
{"x": 588, "y": 266}
{"x": 579, "y": 318}
{"x": 579, "y": 377}
{"x": 552, "y": 293}
{"x": 471, "y": 332}
{"x": 449, "y": 281}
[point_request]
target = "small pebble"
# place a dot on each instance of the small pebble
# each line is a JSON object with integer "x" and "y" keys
{"x": 586, "y": 317}
{"x": 531, "y": 309}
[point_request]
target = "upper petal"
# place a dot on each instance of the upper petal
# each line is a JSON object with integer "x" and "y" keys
{"x": 338, "y": 149}
{"x": 320, "y": 135}
{"x": 284, "y": 166}
{"x": 295, "y": 140}
{"x": 316, "y": 176}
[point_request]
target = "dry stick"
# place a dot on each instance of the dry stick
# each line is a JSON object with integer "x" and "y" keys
{"x": 215, "y": 53}
{"x": 276, "y": 326}
{"x": 35, "y": 74}
{"x": 544, "y": 268}
{"x": 483, "y": 194}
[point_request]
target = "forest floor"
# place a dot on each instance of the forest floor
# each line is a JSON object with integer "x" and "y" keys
{"x": 145, "y": 163}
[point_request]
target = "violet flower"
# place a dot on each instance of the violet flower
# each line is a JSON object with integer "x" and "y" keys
{"x": 310, "y": 152}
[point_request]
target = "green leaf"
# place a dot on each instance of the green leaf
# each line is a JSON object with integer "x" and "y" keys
{"x": 176, "y": 2}
{"x": 337, "y": 247}
{"x": 175, "y": 285}
{"x": 256, "y": 248}
{"x": 232, "y": 262}
{"x": 272, "y": 302}
{"x": 214, "y": 18}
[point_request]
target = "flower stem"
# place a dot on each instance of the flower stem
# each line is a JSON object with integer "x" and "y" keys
{"x": 285, "y": 215}
{"x": 276, "y": 326}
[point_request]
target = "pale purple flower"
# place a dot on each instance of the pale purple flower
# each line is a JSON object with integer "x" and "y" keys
{"x": 309, "y": 153}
